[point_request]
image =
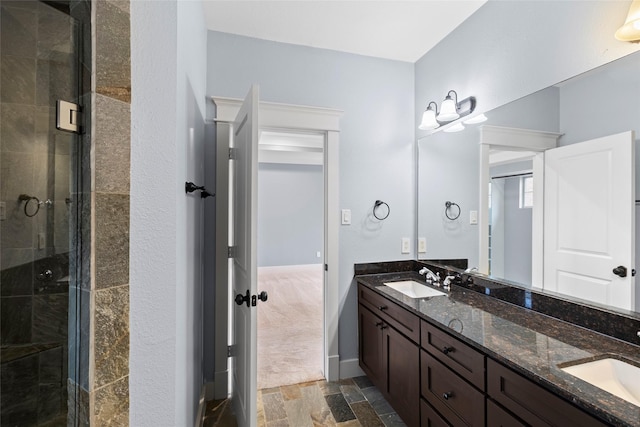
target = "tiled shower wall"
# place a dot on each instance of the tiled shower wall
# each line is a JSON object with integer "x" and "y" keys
{"x": 37, "y": 63}
{"x": 103, "y": 378}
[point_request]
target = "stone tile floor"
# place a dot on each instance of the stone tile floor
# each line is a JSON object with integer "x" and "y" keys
{"x": 346, "y": 403}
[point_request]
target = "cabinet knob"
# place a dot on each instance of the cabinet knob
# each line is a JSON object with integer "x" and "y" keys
{"x": 382, "y": 307}
{"x": 447, "y": 395}
{"x": 447, "y": 350}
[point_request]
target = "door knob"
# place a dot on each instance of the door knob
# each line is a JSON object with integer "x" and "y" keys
{"x": 243, "y": 298}
{"x": 620, "y": 271}
{"x": 263, "y": 296}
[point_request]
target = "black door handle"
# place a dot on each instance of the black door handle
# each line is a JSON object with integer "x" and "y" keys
{"x": 620, "y": 271}
{"x": 263, "y": 296}
{"x": 243, "y": 298}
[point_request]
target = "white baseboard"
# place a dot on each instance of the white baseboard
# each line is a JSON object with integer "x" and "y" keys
{"x": 333, "y": 368}
{"x": 350, "y": 368}
{"x": 209, "y": 391}
{"x": 220, "y": 385}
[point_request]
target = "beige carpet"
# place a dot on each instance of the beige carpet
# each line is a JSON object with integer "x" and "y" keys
{"x": 290, "y": 328}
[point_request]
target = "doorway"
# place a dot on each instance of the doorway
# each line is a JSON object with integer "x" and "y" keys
{"x": 296, "y": 119}
{"x": 290, "y": 257}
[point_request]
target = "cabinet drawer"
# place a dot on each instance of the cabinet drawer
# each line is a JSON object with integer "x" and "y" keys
{"x": 429, "y": 417}
{"x": 449, "y": 394}
{"x": 466, "y": 361}
{"x": 498, "y": 417}
{"x": 404, "y": 321}
{"x": 535, "y": 405}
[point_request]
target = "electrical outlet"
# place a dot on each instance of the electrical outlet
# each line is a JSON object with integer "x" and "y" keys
{"x": 406, "y": 245}
{"x": 346, "y": 216}
{"x": 422, "y": 245}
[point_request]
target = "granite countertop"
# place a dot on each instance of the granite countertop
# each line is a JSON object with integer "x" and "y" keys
{"x": 530, "y": 343}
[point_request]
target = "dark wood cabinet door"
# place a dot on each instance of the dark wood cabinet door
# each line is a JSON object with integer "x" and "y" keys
{"x": 402, "y": 362}
{"x": 429, "y": 417}
{"x": 370, "y": 346}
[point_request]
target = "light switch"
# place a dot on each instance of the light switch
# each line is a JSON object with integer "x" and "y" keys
{"x": 346, "y": 216}
{"x": 42, "y": 241}
{"x": 422, "y": 245}
{"x": 473, "y": 217}
{"x": 406, "y": 245}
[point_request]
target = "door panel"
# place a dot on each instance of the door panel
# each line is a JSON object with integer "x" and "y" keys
{"x": 589, "y": 220}
{"x": 244, "y": 270}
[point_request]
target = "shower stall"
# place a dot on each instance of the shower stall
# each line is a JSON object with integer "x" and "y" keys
{"x": 43, "y": 177}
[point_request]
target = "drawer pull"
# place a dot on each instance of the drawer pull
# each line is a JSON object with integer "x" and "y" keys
{"x": 447, "y": 395}
{"x": 447, "y": 350}
{"x": 382, "y": 307}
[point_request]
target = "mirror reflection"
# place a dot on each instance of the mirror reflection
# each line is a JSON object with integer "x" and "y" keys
{"x": 499, "y": 184}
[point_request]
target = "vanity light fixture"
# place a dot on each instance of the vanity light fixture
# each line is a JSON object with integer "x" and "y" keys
{"x": 429, "y": 117}
{"x": 630, "y": 31}
{"x": 450, "y": 110}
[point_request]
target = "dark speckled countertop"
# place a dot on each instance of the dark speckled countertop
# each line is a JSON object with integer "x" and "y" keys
{"x": 530, "y": 343}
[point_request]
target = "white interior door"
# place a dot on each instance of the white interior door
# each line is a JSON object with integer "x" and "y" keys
{"x": 589, "y": 220}
{"x": 244, "y": 271}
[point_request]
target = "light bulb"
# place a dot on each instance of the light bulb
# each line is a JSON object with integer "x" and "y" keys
{"x": 448, "y": 110}
{"x": 429, "y": 120}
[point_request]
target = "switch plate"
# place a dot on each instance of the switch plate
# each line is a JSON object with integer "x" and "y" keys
{"x": 473, "y": 217}
{"x": 346, "y": 216}
{"x": 3, "y": 211}
{"x": 422, "y": 245}
{"x": 406, "y": 245}
{"x": 318, "y": 255}
{"x": 42, "y": 241}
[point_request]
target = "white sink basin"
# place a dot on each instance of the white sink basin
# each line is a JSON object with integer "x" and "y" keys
{"x": 414, "y": 289}
{"x": 615, "y": 376}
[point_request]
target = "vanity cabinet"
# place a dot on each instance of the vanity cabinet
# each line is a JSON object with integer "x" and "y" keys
{"x": 433, "y": 379}
{"x": 452, "y": 377}
{"x": 390, "y": 359}
{"x": 533, "y": 404}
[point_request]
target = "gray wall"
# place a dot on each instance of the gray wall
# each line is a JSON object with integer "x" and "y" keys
{"x": 517, "y": 231}
{"x": 290, "y": 214}
{"x": 168, "y": 67}
{"x": 376, "y": 138}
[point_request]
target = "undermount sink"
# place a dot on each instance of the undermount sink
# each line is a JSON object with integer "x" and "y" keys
{"x": 615, "y": 376}
{"x": 414, "y": 289}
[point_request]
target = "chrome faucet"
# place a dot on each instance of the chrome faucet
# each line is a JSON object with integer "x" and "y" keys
{"x": 429, "y": 276}
{"x": 469, "y": 270}
{"x": 447, "y": 282}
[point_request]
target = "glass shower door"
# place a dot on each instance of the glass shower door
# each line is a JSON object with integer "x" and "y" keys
{"x": 38, "y": 173}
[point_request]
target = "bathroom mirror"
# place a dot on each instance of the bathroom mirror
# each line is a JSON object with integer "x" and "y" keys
{"x": 600, "y": 102}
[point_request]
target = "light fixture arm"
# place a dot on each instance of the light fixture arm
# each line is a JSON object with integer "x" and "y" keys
{"x": 456, "y": 96}
{"x": 435, "y": 107}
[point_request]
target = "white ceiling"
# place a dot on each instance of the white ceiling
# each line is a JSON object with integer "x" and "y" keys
{"x": 399, "y": 30}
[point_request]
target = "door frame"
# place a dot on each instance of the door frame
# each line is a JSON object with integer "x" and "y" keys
{"x": 284, "y": 117}
{"x": 528, "y": 141}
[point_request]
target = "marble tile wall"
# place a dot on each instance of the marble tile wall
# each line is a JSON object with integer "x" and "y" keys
{"x": 111, "y": 140}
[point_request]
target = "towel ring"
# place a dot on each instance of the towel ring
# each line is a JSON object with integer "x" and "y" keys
{"x": 375, "y": 208}
{"x": 27, "y": 199}
{"x": 447, "y": 207}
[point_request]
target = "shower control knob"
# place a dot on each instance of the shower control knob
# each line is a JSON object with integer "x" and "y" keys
{"x": 45, "y": 276}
